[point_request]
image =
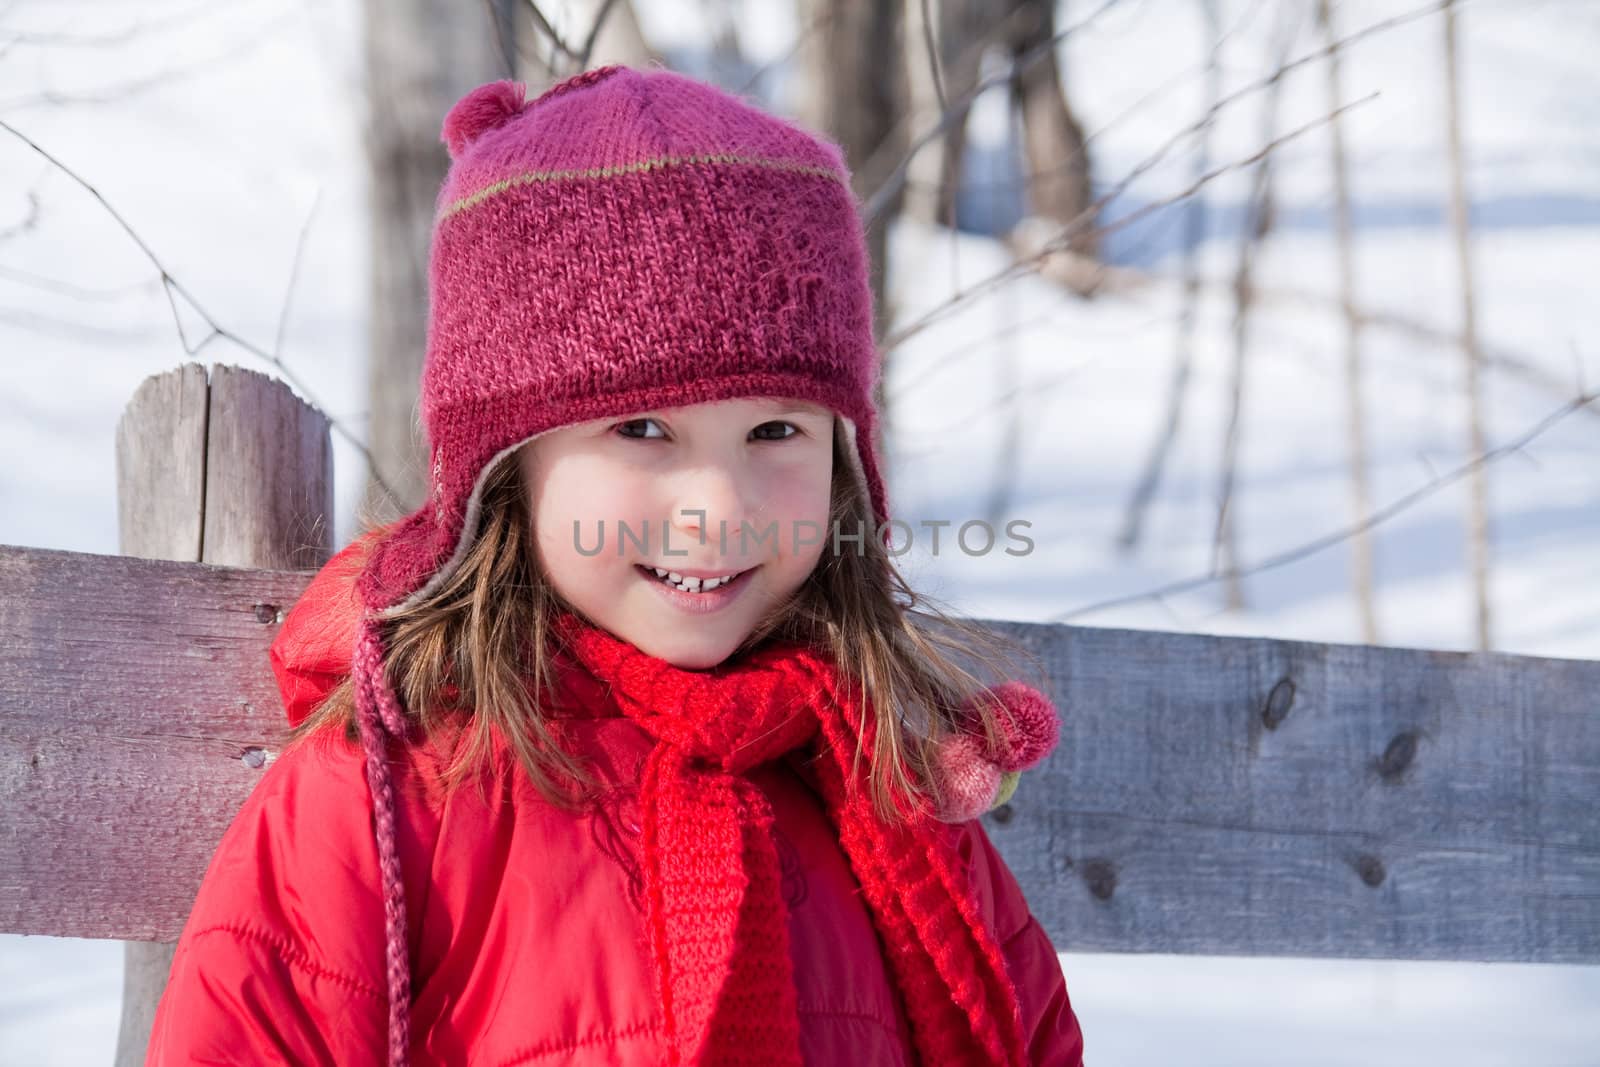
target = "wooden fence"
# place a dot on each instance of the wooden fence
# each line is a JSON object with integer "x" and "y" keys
{"x": 1230, "y": 796}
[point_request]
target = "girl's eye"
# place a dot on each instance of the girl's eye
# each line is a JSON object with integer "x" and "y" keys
{"x": 637, "y": 422}
{"x": 779, "y": 425}
{"x": 643, "y": 425}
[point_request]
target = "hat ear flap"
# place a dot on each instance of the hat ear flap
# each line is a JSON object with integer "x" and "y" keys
{"x": 485, "y": 108}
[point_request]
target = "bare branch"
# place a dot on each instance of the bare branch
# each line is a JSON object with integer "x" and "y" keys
{"x": 29, "y": 221}
{"x": 171, "y": 285}
{"x": 550, "y": 32}
{"x": 1499, "y": 357}
{"x": 116, "y": 94}
{"x": 294, "y": 272}
{"x": 1087, "y": 217}
{"x": 799, "y": 42}
{"x": 127, "y": 33}
{"x": 77, "y": 292}
{"x": 1031, "y": 263}
{"x": 1384, "y": 514}
{"x": 1261, "y": 214}
{"x": 884, "y": 194}
{"x": 594, "y": 33}
{"x": 932, "y": 48}
{"x": 1194, "y": 219}
{"x": 51, "y": 324}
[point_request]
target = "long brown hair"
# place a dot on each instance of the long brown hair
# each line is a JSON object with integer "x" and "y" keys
{"x": 471, "y": 661}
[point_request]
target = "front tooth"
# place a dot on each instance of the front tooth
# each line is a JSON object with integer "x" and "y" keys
{"x": 675, "y": 576}
{"x": 692, "y": 584}
{"x": 710, "y": 584}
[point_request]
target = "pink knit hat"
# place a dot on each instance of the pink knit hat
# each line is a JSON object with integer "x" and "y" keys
{"x": 629, "y": 240}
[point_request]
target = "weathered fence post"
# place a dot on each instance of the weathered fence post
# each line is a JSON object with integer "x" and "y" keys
{"x": 237, "y": 471}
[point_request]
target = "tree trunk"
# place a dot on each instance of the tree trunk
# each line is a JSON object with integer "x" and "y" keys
{"x": 1360, "y": 492}
{"x": 1259, "y": 223}
{"x": 1461, "y": 224}
{"x": 857, "y": 94}
{"x": 1194, "y": 235}
{"x": 1056, "y": 154}
{"x": 422, "y": 56}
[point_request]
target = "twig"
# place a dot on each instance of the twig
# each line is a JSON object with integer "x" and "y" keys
{"x": 550, "y": 31}
{"x": 1030, "y": 263}
{"x": 171, "y": 285}
{"x": 294, "y": 272}
{"x": 1372, "y": 520}
{"x": 594, "y": 33}
{"x": 932, "y": 48}
{"x": 884, "y": 194}
{"x": 1088, "y": 216}
{"x": 116, "y": 94}
{"x": 112, "y": 37}
{"x": 76, "y": 292}
{"x": 799, "y": 42}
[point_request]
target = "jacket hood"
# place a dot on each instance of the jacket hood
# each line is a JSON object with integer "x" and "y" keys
{"x": 312, "y": 652}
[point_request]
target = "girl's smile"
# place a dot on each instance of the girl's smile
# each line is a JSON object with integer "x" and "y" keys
{"x": 694, "y": 594}
{"x": 758, "y": 467}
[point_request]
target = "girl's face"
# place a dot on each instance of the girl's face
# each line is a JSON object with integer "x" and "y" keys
{"x": 730, "y": 487}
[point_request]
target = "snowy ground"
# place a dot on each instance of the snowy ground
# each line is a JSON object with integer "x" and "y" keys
{"x": 220, "y": 166}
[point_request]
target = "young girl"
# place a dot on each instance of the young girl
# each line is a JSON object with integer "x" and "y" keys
{"x": 725, "y": 777}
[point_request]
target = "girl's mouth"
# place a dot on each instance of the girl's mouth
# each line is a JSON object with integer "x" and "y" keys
{"x": 702, "y": 587}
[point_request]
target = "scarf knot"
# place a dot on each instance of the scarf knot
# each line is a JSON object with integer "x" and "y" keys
{"x": 729, "y": 718}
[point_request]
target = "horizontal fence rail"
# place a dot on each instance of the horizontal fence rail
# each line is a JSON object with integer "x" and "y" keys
{"x": 138, "y": 711}
{"x": 1256, "y": 797}
{"x": 1210, "y": 795}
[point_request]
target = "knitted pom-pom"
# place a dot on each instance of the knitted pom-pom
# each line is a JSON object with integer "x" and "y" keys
{"x": 1029, "y": 726}
{"x": 965, "y": 781}
{"x": 485, "y": 108}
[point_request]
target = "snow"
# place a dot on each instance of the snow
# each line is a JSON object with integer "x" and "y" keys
{"x": 257, "y": 137}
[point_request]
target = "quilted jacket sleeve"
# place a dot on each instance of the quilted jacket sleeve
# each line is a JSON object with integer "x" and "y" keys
{"x": 1054, "y": 1037}
{"x": 281, "y": 960}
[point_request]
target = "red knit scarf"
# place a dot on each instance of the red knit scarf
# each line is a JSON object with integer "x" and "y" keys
{"x": 721, "y": 953}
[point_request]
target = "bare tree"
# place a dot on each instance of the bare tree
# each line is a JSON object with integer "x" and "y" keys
{"x": 1461, "y": 224}
{"x": 1356, "y": 418}
{"x": 962, "y": 31}
{"x": 421, "y": 57}
{"x": 947, "y": 65}
{"x": 1194, "y": 232}
{"x": 1059, "y": 187}
{"x": 855, "y": 72}
{"x": 1259, "y": 222}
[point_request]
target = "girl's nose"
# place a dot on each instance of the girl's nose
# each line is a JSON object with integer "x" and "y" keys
{"x": 706, "y": 499}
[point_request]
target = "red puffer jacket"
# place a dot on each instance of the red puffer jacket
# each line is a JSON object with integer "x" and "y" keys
{"x": 523, "y": 920}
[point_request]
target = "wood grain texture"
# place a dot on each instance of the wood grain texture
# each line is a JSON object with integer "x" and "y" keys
{"x": 1239, "y": 796}
{"x": 161, "y": 463}
{"x": 269, "y": 475}
{"x": 138, "y": 697}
